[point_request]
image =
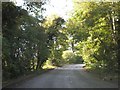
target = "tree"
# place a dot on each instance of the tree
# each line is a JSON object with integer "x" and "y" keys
{"x": 93, "y": 28}
{"x": 24, "y": 42}
{"x": 56, "y": 37}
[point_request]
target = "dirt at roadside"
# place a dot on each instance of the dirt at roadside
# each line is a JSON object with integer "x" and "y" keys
{"x": 113, "y": 78}
{"x": 22, "y": 78}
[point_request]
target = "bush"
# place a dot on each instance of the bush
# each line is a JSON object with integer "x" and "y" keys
{"x": 71, "y": 58}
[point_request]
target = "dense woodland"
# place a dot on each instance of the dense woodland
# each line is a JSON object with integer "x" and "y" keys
{"x": 89, "y": 36}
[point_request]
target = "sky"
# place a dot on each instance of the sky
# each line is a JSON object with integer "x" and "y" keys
{"x": 59, "y": 7}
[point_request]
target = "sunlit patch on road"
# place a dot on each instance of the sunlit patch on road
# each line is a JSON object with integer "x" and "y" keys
{"x": 71, "y": 67}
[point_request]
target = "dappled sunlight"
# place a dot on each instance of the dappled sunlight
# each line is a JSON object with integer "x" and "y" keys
{"x": 48, "y": 65}
{"x": 52, "y": 34}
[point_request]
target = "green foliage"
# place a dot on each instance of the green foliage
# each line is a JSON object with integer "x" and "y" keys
{"x": 91, "y": 33}
{"x": 70, "y": 57}
{"x": 94, "y": 29}
{"x": 55, "y": 39}
{"x": 24, "y": 42}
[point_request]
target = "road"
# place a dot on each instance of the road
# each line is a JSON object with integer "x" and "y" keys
{"x": 68, "y": 76}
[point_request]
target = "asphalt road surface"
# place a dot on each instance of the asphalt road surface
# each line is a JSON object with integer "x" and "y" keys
{"x": 68, "y": 76}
